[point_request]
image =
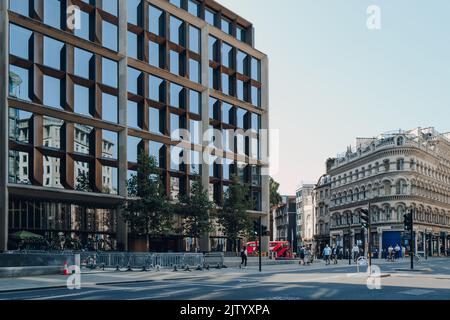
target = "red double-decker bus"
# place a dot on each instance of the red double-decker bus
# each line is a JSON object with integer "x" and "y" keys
{"x": 280, "y": 248}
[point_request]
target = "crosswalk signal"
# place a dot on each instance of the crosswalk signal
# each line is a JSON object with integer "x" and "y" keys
{"x": 364, "y": 216}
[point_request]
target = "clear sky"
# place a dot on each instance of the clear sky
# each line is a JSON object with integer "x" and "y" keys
{"x": 332, "y": 79}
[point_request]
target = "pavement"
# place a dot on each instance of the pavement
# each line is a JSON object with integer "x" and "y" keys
{"x": 431, "y": 281}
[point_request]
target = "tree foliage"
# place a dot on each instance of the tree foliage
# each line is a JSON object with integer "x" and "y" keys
{"x": 147, "y": 211}
{"x": 195, "y": 208}
{"x": 233, "y": 217}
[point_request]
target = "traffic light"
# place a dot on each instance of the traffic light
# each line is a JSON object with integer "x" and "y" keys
{"x": 264, "y": 230}
{"x": 365, "y": 220}
{"x": 407, "y": 221}
{"x": 256, "y": 227}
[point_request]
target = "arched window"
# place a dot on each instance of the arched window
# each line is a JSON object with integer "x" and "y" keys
{"x": 400, "y": 141}
{"x": 401, "y": 187}
{"x": 400, "y": 164}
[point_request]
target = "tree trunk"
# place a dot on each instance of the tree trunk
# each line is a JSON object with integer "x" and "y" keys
{"x": 148, "y": 242}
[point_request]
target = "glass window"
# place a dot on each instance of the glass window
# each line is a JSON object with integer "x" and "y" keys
{"x": 226, "y": 84}
{"x": 156, "y": 54}
{"x": 132, "y": 46}
{"x": 176, "y": 158}
{"x": 82, "y": 100}
{"x": 157, "y": 89}
{"x": 157, "y": 151}
{"x": 132, "y": 114}
{"x": 82, "y": 138}
{"x": 256, "y": 69}
{"x": 20, "y": 6}
{"x": 176, "y": 3}
{"x": 213, "y": 50}
{"x": 241, "y": 118}
{"x": 52, "y": 53}
{"x": 194, "y": 39}
{"x": 194, "y": 8}
{"x": 176, "y": 96}
{"x": 210, "y": 17}
{"x": 241, "y": 34}
{"x": 226, "y": 26}
{"x": 256, "y": 96}
{"x": 19, "y": 41}
{"x": 212, "y": 165}
{"x": 133, "y": 80}
{"x": 194, "y": 129}
{"x": 110, "y": 107}
{"x": 52, "y": 92}
{"x": 176, "y": 30}
{"x": 52, "y": 13}
{"x": 132, "y": 148}
{"x": 110, "y": 144}
{"x": 227, "y": 113}
{"x": 51, "y": 132}
{"x": 194, "y": 101}
{"x": 19, "y": 125}
{"x": 195, "y": 162}
{"x": 109, "y": 72}
{"x": 240, "y": 89}
{"x": 174, "y": 126}
{"x": 213, "y": 108}
{"x": 241, "y": 62}
{"x": 155, "y": 116}
{"x": 19, "y": 83}
{"x": 18, "y": 168}
{"x": 110, "y": 6}
{"x": 84, "y": 30}
{"x": 175, "y": 63}
{"x": 83, "y": 61}
{"x": 227, "y": 163}
{"x": 227, "y": 56}
{"x": 82, "y": 176}
{"x": 133, "y": 11}
{"x": 109, "y": 35}
{"x": 109, "y": 180}
{"x": 50, "y": 167}
{"x": 156, "y": 23}
{"x": 194, "y": 70}
{"x": 256, "y": 122}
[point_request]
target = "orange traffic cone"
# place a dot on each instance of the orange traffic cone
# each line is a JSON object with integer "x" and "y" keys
{"x": 66, "y": 269}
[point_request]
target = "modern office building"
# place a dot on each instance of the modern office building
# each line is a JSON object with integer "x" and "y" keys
{"x": 395, "y": 173}
{"x": 93, "y": 83}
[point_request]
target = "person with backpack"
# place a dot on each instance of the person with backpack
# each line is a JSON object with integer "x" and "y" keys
{"x": 244, "y": 255}
{"x": 302, "y": 255}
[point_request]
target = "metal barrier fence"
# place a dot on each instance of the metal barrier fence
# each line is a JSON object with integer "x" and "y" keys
{"x": 139, "y": 260}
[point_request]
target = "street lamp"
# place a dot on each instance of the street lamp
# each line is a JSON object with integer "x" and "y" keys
{"x": 349, "y": 239}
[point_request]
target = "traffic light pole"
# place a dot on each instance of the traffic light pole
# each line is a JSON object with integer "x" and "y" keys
{"x": 259, "y": 242}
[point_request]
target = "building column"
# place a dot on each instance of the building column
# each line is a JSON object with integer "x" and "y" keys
{"x": 204, "y": 243}
{"x": 4, "y": 61}
{"x": 122, "y": 227}
{"x": 265, "y": 153}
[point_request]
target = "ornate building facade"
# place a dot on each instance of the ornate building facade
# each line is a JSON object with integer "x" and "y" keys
{"x": 394, "y": 172}
{"x": 321, "y": 202}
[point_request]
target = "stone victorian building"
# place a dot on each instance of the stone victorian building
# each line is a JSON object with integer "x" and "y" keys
{"x": 395, "y": 172}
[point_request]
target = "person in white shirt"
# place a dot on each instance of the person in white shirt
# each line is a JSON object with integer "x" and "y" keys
{"x": 355, "y": 252}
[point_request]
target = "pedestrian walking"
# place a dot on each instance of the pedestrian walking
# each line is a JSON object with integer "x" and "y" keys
{"x": 355, "y": 251}
{"x": 326, "y": 254}
{"x": 390, "y": 253}
{"x": 302, "y": 255}
{"x": 397, "y": 251}
{"x": 244, "y": 255}
{"x": 334, "y": 254}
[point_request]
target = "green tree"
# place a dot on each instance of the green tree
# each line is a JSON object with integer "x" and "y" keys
{"x": 83, "y": 182}
{"x": 147, "y": 211}
{"x": 275, "y": 197}
{"x": 233, "y": 217}
{"x": 196, "y": 209}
